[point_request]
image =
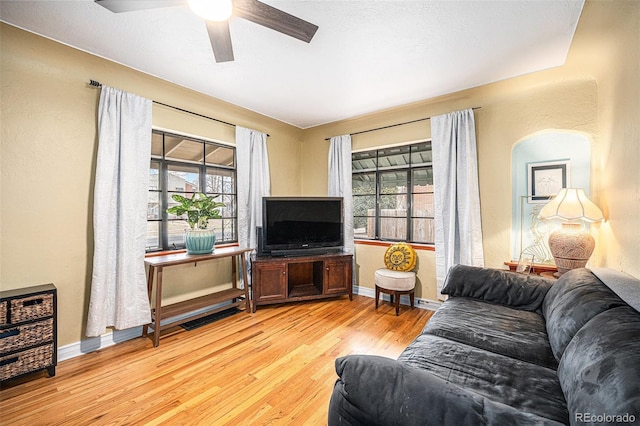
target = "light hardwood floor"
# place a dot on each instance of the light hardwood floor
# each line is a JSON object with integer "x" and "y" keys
{"x": 272, "y": 367}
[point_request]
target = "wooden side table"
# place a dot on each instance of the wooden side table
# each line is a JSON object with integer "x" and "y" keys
{"x": 238, "y": 297}
{"x": 537, "y": 269}
{"x": 548, "y": 274}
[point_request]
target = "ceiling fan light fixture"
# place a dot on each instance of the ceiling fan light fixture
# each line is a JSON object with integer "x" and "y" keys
{"x": 212, "y": 10}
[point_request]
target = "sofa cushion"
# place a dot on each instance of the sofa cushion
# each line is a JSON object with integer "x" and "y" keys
{"x": 496, "y": 328}
{"x": 377, "y": 391}
{"x": 497, "y": 286}
{"x": 574, "y": 299}
{"x": 522, "y": 385}
{"x": 600, "y": 369}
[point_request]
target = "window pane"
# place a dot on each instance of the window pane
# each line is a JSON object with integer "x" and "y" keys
{"x": 153, "y": 236}
{"x": 423, "y": 231}
{"x": 224, "y": 228}
{"x": 393, "y": 228}
{"x": 229, "y": 210}
{"x": 156, "y": 145}
{"x": 422, "y": 205}
{"x": 219, "y": 155}
{"x": 393, "y": 182}
{"x": 176, "y": 233}
{"x": 229, "y": 232}
{"x": 363, "y": 160}
{"x": 392, "y": 157}
{"x": 221, "y": 181}
{"x": 364, "y": 227}
{"x": 390, "y": 168}
{"x": 153, "y": 206}
{"x": 364, "y": 205}
{"x": 363, "y": 183}
{"x": 179, "y": 163}
{"x": 153, "y": 202}
{"x": 393, "y": 205}
{"x": 183, "y": 179}
{"x": 423, "y": 180}
{"x": 421, "y": 153}
{"x": 154, "y": 175}
{"x": 181, "y": 149}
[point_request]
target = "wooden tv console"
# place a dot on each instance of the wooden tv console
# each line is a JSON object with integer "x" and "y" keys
{"x": 290, "y": 279}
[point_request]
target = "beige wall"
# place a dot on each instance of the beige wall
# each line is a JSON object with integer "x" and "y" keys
{"x": 49, "y": 145}
{"x": 610, "y": 49}
{"x": 596, "y": 92}
{"x": 508, "y": 113}
{"x": 48, "y": 151}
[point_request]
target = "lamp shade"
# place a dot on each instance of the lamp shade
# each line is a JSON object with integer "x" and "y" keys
{"x": 571, "y": 204}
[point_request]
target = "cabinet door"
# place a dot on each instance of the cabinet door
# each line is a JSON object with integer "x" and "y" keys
{"x": 270, "y": 281}
{"x": 337, "y": 275}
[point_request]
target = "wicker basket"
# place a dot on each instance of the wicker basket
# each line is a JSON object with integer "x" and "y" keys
{"x": 3, "y": 312}
{"x": 27, "y": 335}
{"x": 26, "y": 362}
{"x": 32, "y": 307}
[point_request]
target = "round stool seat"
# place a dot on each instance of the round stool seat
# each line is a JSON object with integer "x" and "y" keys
{"x": 395, "y": 280}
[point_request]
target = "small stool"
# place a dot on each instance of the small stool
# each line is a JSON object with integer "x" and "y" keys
{"x": 395, "y": 283}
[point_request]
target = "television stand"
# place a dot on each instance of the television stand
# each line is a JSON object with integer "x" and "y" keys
{"x": 304, "y": 252}
{"x": 291, "y": 279}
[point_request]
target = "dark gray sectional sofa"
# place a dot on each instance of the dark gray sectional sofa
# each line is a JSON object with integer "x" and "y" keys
{"x": 507, "y": 349}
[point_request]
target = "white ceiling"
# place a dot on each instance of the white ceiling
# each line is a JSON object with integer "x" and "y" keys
{"x": 367, "y": 54}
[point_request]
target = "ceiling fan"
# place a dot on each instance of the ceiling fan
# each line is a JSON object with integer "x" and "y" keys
{"x": 218, "y": 26}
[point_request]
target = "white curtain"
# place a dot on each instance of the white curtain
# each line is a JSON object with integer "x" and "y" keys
{"x": 340, "y": 184}
{"x": 118, "y": 288}
{"x": 458, "y": 231}
{"x": 253, "y": 182}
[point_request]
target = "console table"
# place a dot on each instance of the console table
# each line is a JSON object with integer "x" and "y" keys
{"x": 238, "y": 297}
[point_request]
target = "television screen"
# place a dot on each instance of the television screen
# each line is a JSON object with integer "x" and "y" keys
{"x": 291, "y": 224}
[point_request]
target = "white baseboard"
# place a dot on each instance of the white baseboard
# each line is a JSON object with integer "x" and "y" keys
{"x": 95, "y": 343}
{"x": 427, "y": 304}
{"x": 92, "y": 344}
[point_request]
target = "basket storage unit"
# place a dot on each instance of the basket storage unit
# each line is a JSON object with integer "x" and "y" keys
{"x": 28, "y": 330}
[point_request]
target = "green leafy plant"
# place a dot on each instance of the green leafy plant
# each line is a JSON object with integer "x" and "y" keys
{"x": 199, "y": 209}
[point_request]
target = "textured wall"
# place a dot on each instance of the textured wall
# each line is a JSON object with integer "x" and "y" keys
{"x": 596, "y": 93}
{"x": 49, "y": 145}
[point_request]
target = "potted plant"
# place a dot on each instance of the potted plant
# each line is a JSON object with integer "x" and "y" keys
{"x": 199, "y": 209}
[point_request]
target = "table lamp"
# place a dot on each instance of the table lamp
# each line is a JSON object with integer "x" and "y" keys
{"x": 571, "y": 246}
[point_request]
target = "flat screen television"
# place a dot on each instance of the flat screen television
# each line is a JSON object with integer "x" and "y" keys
{"x": 301, "y": 225}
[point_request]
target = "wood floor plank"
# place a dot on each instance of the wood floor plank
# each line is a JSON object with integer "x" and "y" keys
{"x": 274, "y": 367}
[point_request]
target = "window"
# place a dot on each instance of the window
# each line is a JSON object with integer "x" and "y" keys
{"x": 184, "y": 165}
{"x": 393, "y": 194}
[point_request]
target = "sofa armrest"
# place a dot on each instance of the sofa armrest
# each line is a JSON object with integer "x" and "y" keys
{"x": 374, "y": 390}
{"x": 498, "y": 286}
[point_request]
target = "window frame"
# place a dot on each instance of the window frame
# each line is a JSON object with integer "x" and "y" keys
{"x": 164, "y": 192}
{"x": 409, "y": 192}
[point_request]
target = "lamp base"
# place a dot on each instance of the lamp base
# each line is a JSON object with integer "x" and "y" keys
{"x": 571, "y": 247}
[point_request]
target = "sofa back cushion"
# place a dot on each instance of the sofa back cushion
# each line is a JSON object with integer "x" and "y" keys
{"x": 572, "y": 301}
{"x": 600, "y": 370}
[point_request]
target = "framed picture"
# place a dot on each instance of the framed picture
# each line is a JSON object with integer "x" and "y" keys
{"x": 546, "y": 179}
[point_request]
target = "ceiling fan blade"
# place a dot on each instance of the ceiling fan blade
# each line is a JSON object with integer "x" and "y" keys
{"x": 220, "y": 38}
{"x": 270, "y": 17}
{"x": 118, "y": 6}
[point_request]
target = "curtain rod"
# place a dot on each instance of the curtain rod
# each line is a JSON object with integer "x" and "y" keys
{"x": 95, "y": 83}
{"x": 394, "y": 125}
